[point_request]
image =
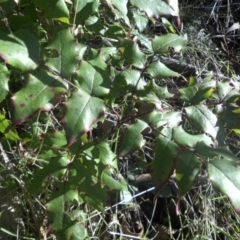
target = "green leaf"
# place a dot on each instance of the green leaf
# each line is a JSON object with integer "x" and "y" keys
{"x": 119, "y": 8}
{"x": 157, "y": 119}
{"x": 130, "y": 77}
{"x": 133, "y": 54}
{"x": 6, "y": 128}
{"x": 133, "y": 138}
{"x": 106, "y": 155}
{"x": 203, "y": 119}
{"x": 54, "y": 139}
{"x": 153, "y": 8}
{"x": 144, "y": 40}
{"x": 93, "y": 80}
{"x": 227, "y": 91}
{"x": 40, "y": 93}
{"x": 8, "y": 5}
{"x": 31, "y": 42}
{"x": 62, "y": 193}
{"x": 164, "y": 161}
{"x": 228, "y": 114}
{"x": 104, "y": 52}
{"x": 100, "y": 151}
{"x": 140, "y": 19}
{"x": 73, "y": 225}
{"x": 14, "y": 52}
{"x": 168, "y": 43}
{"x": 55, "y": 9}
{"x": 82, "y": 49}
{"x": 113, "y": 183}
{"x": 198, "y": 92}
{"x": 158, "y": 70}
{"x": 211, "y": 152}
{"x": 114, "y": 30}
{"x": 187, "y": 169}
{"x": 57, "y": 166}
{"x": 185, "y": 139}
{"x": 84, "y": 9}
{"x": 55, "y": 210}
{"x": 82, "y": 111}
{"x": 152, "y": 93}
{"x": 225, "y": 177}
{"x": 4, "y": 78}
{"x": 63, "y": 43}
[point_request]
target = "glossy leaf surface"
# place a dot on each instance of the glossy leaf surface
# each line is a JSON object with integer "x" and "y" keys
{"x": 82, "y": 111}
{"x": 15, "y": 53}
{"x": 41, "y": 92}
{"x": 133, "y": 138}
{"x": 66, "y": 59}
{"x": 164, "y": 161}
{"x": 203, "y": 119}
{"x": 225, "y": 176}
{"x": 168, "y": 43}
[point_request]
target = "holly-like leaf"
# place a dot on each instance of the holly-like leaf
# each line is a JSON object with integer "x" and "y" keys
{"x": 211, "y": 152}
{"x": 100, "y": 151}
{"x": 133, "y": 54}
{"x": 111, "y": 181}
{"x": 164, "y": 161}
{"x": 93, "y": 80}
{"x": 157, "y": 119}
{"x": 144, "y": 41}
{"x": 152, "y": 93}
{"x": 185, "y": 139}
{"x": 57, "y": 166}
{"x": 55, "y": 9}
{"x": 187, "y": 168}
{"x": 158, "y": 70}
{"x": 62, "y": 193}
{"x": 4, "y": 78}
{"x": 133, "y": 138}
{"x": 15, "y": 52}
{"x": 225, "y": 177}
{"x": 120, "y": 10}
{"x": 131, "y": 78}
{"x": 66, "y": 59}
{"x": 153, "y": 8}
{"x": 31, "y": 42}
{"x": 203, "y": 119}
{"x": 54, "y": 139}
{"x": 198, "y": 92}
{"x": 106, "y": 155}
{"x": 230, "y": 115}
{"x": 104, "y": 52}
{"x": 168, "y": 43}
{"x": 114, "y": 30}
{"x": 84, "y": 9}
{"x": 140, "y": 19}
{"x": 227, "y": 91}
{"x": 82, "y": 111}
{"x": 41, "y": 92}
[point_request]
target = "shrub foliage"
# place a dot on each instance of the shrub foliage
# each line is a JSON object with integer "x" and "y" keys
{"x": 83, "y": 87}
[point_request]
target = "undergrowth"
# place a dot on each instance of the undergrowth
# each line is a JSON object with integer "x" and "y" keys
{"x": 117, "y": 124}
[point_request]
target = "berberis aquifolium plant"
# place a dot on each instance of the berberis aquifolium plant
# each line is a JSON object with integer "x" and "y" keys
{"x": 84, "y": 86}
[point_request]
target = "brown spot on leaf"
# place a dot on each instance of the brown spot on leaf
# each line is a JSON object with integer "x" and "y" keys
{"x": 22, "y": 105}
{"x": 30, "y": 95}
